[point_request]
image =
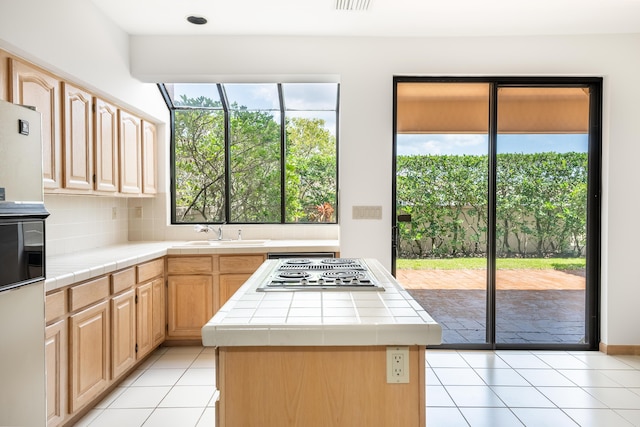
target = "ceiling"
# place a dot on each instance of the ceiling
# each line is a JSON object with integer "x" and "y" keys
{"x": 384, "y": 18}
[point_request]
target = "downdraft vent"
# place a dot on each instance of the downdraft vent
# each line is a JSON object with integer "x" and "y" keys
{"x": 352, "y": 4}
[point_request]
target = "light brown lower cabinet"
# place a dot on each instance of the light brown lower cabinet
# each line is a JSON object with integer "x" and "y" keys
{"x": 159, "y": 316}
{"x": 149, "y": 302}
{"x": 190, "y": 305}
{"x": 235, "y": 270}
{"x": 150, "y": 306}
{"x": 199, "y": 285}
{"x": 89, "y": 345}
{"x": 229, "y": 284}
{"x": 144, "y": 319}
{"x": 123, "y": 332}
{"x": 93, "y": 330}
{"x": 56, "y": 365}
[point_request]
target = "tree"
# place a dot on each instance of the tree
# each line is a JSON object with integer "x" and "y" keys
{"x": 199, "y": 162}
{"x": 311, "y": 171}
{"x": 254, "y": 165}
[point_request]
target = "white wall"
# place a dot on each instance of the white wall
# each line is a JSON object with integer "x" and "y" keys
{"x": 366, "y": 66}
{"x": 71, "y": 38}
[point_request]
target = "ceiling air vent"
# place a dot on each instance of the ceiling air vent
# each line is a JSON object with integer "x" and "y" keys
{"x": 352, "y": 4}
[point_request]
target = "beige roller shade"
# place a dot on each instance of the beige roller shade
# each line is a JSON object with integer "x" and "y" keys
{"x": 440, "y": 108}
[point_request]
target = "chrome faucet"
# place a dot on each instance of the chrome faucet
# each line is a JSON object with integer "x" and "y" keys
{"x": 220, "y": 231}
{"x": 199, "y": 228}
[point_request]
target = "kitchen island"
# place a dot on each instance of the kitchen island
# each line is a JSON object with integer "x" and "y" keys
{"x": 321, "y": 357}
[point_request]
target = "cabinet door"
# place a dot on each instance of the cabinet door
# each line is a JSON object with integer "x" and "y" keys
{"x": 229, "y": 284}
{"x": 130, "y": 153}
{"x": 159, "y": 312}
{"x": 106, "y": 146}
{"x": 144, "y": 330}
{"x": 30, "y": 86}
{"x": 149, "y": 158}
{"x": 190, "y": 305}
{"x": 123, "y": 333}
{"x": 4, "y": 76}
{"x": 55, "y": 345}
{"x": 78, "y": 138}
{"x": 89, "y": 353}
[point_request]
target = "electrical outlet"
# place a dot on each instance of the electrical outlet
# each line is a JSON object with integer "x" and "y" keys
{"x": 397, "y": 364}
{"x": 114, "y": 213}
{"x": 138, "y": 212}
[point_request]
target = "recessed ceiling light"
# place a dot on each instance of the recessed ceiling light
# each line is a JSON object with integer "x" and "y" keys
{"x": 352, "y": 4}
{"x": 197, "y": 20}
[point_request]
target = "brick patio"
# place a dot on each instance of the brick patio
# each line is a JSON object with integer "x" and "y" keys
{"x": 532, "y": 306}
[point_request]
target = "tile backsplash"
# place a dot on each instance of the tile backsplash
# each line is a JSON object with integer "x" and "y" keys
{"x": 149, "y": 221}
{"x": 80, "y": 223}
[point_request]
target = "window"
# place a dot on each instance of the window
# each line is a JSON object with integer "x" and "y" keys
{"x": 253, "y": 153}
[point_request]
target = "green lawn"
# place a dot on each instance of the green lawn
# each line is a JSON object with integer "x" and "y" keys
{"x": 502, "y": 264}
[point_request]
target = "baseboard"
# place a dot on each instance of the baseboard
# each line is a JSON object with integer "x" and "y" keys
{"x": 633, "y": 350}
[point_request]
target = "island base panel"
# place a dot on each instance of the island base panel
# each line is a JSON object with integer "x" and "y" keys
{"x": 317, "y": 386}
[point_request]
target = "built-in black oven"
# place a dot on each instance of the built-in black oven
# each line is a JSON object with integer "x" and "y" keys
{"x": 22, "y": 244}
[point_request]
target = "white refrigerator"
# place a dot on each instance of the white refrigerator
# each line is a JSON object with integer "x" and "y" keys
{"x": 22, "y": 269}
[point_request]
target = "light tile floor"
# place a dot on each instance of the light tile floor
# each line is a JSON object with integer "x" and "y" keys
{"x": 532, "y": 388}
{"x": 175, "y": 387}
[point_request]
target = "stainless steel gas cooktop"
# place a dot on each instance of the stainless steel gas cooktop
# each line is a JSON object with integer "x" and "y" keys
{"x": 314, "y": 274}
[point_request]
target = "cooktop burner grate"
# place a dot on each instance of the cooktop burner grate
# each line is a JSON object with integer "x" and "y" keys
{"x": 347, "y": 274}
{"x": 342, "y": 274}
{"x": 321, "y": 265}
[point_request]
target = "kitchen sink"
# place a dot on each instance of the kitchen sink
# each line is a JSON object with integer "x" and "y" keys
{"x": 227, "y": 242}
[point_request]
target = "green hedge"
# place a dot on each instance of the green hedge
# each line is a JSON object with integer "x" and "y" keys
{"x": 540, "y": 204}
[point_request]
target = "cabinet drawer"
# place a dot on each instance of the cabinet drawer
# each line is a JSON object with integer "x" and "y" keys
{"x": 55, "y": 305}
{"x": 88, "y": 293}
{"x": 123, "y": 280}
{"x": 190, "y": 265}
{"x": 240, "y": 263}
{"x": 149, "y": 270}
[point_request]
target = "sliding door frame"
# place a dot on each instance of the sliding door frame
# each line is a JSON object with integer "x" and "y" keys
{"x": 593, "y": 257}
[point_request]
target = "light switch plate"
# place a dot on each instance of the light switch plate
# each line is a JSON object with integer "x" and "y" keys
{"x": 366, "y": 212}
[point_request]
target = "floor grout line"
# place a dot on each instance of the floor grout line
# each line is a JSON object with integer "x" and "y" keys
{"x": 477, "y": 365}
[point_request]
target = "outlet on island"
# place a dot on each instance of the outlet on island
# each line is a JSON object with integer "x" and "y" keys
{"x": 397, "y": 365}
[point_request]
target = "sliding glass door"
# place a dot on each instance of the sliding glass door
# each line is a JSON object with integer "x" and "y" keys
{"x": 541, "y": 214}
{"x": 496, "y": 195}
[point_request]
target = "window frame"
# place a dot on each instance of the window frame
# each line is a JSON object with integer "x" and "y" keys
{"x": 227, "y": 111}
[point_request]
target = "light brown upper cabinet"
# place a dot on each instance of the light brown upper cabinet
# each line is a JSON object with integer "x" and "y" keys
{"x": 90, "y": 146}
{"x": 130, "y": 153}
{"x": 33, "y": 87}
{"x": 149, "y": 158}
{"x": 106, "y": 146}
{"x": 78, "y": 138}
{"x": 4, "y": 76}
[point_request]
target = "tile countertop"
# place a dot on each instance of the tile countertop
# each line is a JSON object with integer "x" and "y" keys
{"x": 324, "y": 318}
{"x": 64, "y": 270}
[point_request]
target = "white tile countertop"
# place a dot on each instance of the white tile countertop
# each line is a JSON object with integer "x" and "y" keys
{"x": 323, "y": 318}
{"x": 64, "y": 270}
